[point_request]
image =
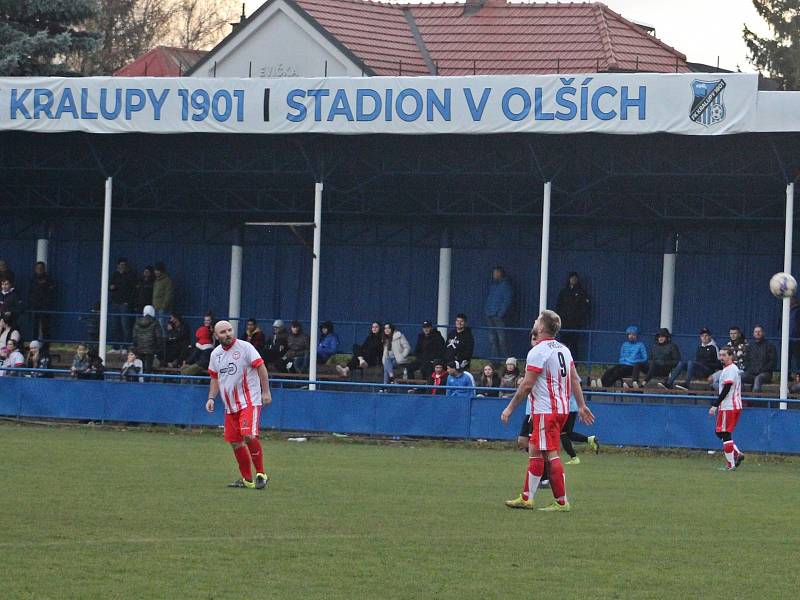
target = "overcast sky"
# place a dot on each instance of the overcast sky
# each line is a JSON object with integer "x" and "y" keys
{"x": 702, "y": 29}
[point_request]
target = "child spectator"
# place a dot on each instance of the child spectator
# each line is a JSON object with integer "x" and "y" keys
{"x": 148, "y": 337}
{"x": 80, "y": 362}
{"x": 328, "y": 343}
{"x": 197, "y": 362}
{"x": 133, "y": 367}
{"x": 438, "y": 378}
{"x": 13, "y": 359}
{"x": 37, "y": 359}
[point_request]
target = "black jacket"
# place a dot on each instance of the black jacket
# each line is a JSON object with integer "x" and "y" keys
{"x": 124, "y": 287}
{"x": 429, "y": 347}
{"x": 144, "y": 294}
{"x": 666, "y": 353}
{"x": 147, "y": 335}
{"x": 41, "y": 292}
{"x": 762, "y": 357}
{"x": 371, "y": 349}
{"x": 459, "y": 346}
{"x": 573, "y": 306}
{"x": 708, "y": 356}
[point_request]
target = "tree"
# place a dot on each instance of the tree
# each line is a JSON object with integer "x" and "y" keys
{"x": 779, "y": 55}
{"x": 200, "y": 24}
{"x": 37, "y": 37}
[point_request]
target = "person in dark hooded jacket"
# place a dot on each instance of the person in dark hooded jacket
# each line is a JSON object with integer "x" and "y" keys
{"x": 368, "y": 354}
{"x": 429, "y": 349}
{"x": 762, "y": 360}
{"x": 147, "y": 337}
{"x": 573, "y": 307}
{"x": 664, "y": 356}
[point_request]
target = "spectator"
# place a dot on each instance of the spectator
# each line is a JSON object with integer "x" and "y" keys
{"x": 123, "y": 296}
{"x": 632, "y": 358}
{"x": 133, "y": 368}
{"x": 298, "y": 348}
{"x": 10, "y": 302}
{"x": 37, "y": 358}
{"x": 92, "y": 322}
{"x": 664, "y": 356}
{"x": 162, "y": 291}
{"x": 498, "y": 302}
{"x": 13, "y": 359}
{"x": 254, "y": 335}
{"x": 368, "y": 354}
{"x": 176, "y": 344}
{"x": 460, "y": 343}
{"x": 6, "y": 272}
{"x": 510, "y": 378}
{"x": 762, "y": 360}
{"x": 197, "y": 361}
{"x": 739, "y": 350}
{"x": 41, "y": 297}
{"x": 429, "y": 349}
{"x": 395, "y": 351}
{"x": 144, "y": 288}
{"x": 489, "y": 379}
{"x": 438, "y": 379}
{"x": 96, "y": 368}
{"x": 459, "y": 381}
{"x": 573, "y": 306}
{"x": 276, "y": 347}
{"x": 148, "y": 338}
{"x": 328, "y": 343}
{"x": 706, "y": 361}
{"x": 80, "y": 362}
{"x": 9, "y": 331}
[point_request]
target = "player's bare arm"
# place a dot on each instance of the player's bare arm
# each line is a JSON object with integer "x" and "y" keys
{"x": 522, "y": 392}
{"x": 584, "y": 414}
{"x": 213, "y": 390}
{"x": 263, "y": 376}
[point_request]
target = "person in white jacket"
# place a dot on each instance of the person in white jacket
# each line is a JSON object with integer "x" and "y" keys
{"x": 395, "y": 351}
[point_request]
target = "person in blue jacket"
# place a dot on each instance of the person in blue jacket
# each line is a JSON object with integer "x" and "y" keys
{"x": 632, "y": 359}
{"x": 459, "y": 382}
{"x": 328, "y": 342}
{"x": 498, "y": 301}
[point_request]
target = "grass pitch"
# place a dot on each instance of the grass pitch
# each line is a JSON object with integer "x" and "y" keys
{"x": 88, "y": 513}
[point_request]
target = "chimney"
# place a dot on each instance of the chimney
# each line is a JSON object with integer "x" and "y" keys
{"x": 473, "y": 7}
{"x": 242, "y": 19}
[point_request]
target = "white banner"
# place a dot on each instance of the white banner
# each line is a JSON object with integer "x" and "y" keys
{"x": 686, "y": 104}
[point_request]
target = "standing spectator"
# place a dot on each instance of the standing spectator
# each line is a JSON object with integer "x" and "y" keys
{"x": 488, "y": 379}
{"x": 429, "y": 349}
{"x": 460, "y": 343}
{"x": 632, "y": 358}
{"x": 37, "y": 358}
{"x": 197, "y": 361}
{"x": 762, "y": 360}
{"x": 133, "y": 368}
{"x": 328, "y": 343}
{"x": 573, "y": 306}
{"x": 368, "y": 354}
{"x": 459, "y": 381}
{"x": 80, "y": 362}
{"x": 91, "y": 322}
{"x": 276, "y": 347}
{"x": 123, "y": 296}
{"x": 298, "y": 348}
{"x": 664, "y": 356}
{"x": 162, "y": 291}
{"x": 9, "y": 331}
{"x": 176, "y": 344}
{"x": 395, "y": 351}
{"x": 148, "y": 338}
{"x": 10, "y": 302}
{"x": 706, "y": 361}
{"x": 144, "y": 288}
{"x": 254, "y": 336}
{"x": 498, "y": 301}
{"x": 438, "y": 379}
{"x": 13, "y": 359}
{"x": 41, "y": 296}
{"x": 510, "y": 378}
{"x": 6, "y": 272}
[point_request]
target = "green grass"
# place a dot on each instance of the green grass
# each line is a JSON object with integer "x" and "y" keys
{"x": 88, "y": 513}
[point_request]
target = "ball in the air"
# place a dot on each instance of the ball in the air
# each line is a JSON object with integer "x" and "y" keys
{"x": 783, "y": 285}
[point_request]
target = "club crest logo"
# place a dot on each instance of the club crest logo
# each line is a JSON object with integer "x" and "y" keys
{"x": 708, "y": 106}
{"x": 236, "y": 355}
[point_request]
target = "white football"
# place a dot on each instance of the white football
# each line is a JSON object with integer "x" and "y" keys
{"x": 783, "y": 285}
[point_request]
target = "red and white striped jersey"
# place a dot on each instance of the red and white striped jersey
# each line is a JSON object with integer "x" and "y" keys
{"x": 236, "y": 368}
{"x": 552, "y": 360}
{"x": 732, "y": 375}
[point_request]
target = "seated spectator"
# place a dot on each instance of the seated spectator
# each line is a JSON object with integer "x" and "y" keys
{"x": 794, "y": 386}
{"x": 368, "y": 354}
{"x": 41, "y": 297}
{"x": 37, "y": 358}
{"x": 328, "y": 343}
{"x": 144, "y": 289}
{"x": 133, "y": 368}
{"x": 632, "y": 358}
{"x": 148, "y": 337}
{"x": 488, "y": 379}
{"x": 429, "y": 349}
{"x": 254, "y": 335}
{"x": 459, "y": 381}
{"x": 176, "y": 341}
{"x": 13, "y": 359}
{"x": 510, "y": 378}
{"x": 706, "y": 361}
{"x": 276, "y": 347}
{"x": 9, "y": 331}
{"x": 762, "y": 360}
{"x": 96, "y": 368}
{"x": 10, "y": 302}
{"x": 664, "y": 356}
{"x": 6, "y": 272}
{"x": 197, "y": 362}
{"x": 438, "y": 378}
{"x": 395, "y": 351}
{"x": 460, "y": 342}
{"x": 297, "y": 355}
{"x": 81, "y": 361}
{"x": 739, "y": 349}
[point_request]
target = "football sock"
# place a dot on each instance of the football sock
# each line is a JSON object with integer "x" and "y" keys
{"x": 256, "y": 454}
{"x": 557, "y": 481}
{"x": 243, "y": 458}
{"x": 567, "y": 444}
{"x": 728, "y": 448}
{"x": 736, "y": 450}
{"x": 535, "y": 471}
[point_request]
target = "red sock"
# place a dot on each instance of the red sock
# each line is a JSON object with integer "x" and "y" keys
{"x": 533, "y": 477}
{"x": 256, "y": 454}
{"x": 557, "y": 481}
{"x": 243, "y": 458}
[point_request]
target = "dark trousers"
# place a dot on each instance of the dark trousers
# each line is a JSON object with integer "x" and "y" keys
{"x": 657, "y": 369}
{"x": 617, "y": 372}
{"x": 425, "y": 367}
{"x": 41, "y": 326}
{"x": 572, "y": 341}
{"x": 568, "y": 435}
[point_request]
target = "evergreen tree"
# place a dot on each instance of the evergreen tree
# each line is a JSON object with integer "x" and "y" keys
{"x": 779, "y": 55}
{"x": 38, "y": 37}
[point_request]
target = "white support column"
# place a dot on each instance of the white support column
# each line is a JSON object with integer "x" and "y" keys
{"x": 787, "y": 268}
{"x": 42, "y": 246}
{"x": 235, "y": 297}
{"x": 443, "y": 304}
{"x": 312, "y": 366}
{"x": 105, "y": 274}
{"x": 668, "y": 285}
{"x": 545, "y": 247}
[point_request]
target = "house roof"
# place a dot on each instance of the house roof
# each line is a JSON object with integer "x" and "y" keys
{"x": 162, "y": 61}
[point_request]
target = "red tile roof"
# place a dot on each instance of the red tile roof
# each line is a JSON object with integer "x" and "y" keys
{"x": 499, "y": 38}
{"x": 162, "y": 61}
